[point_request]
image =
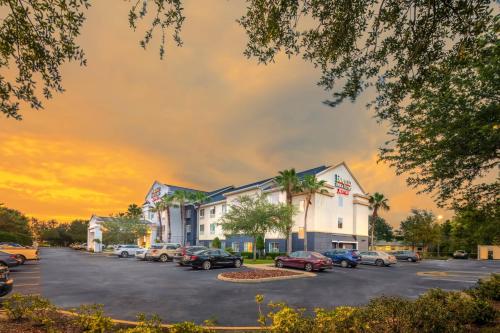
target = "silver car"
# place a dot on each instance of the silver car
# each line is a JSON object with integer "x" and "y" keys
{"x": 378, "y": 258}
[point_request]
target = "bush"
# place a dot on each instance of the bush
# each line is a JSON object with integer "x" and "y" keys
{"x": 487, "y": 288}
{"x": 38, "y": 310}
{"x": 385, "y": 314}
{"x": 91, "y": 319}
{"x": 274, "y": 255}
{"x": 188, "y": 327}
{"x": 230, "y": 250}
{"x": 145, "y": 325}
{"x": 247, "y": 255}
{"x": 216, "y": 243}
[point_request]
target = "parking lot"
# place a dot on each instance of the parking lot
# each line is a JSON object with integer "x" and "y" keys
{"x": 126, "y": 286}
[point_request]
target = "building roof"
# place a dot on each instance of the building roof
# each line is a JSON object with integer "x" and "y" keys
{"x": 174, "y": 188}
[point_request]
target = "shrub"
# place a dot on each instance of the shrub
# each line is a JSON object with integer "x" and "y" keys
{"x": 384, "y": 314}
{"x": 188, "y": 327}
{"x": 341, "y": 319}
{"x": 230, "y": 250}
{"x": 145, "y": 325}
{"x": 247, "y": 255}
{"x": 91, "y": 319}
{"x": 274, "y": 255}
{"x": 38, "y": 310}
{"x": 487, "y": 288}
{"x": 216, "y": 243}
{"x": 285, "y": 319}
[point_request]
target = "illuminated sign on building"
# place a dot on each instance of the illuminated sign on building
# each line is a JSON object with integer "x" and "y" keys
{"x": 156, "y": 194}
{"x": 343, "y": 185}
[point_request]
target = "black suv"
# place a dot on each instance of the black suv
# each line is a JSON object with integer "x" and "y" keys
{"x": 6, "y": 284}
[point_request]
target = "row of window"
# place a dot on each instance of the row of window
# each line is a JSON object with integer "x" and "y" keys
{"x": 213, "y": 211}
{"x": 212, "y": 228}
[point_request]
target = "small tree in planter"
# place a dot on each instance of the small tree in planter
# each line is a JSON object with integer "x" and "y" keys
{"x": 216, "y": 243}
{"x": 261, "y": 245}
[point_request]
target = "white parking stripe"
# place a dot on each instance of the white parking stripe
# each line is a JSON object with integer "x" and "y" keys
{"x": 451, "y": 280}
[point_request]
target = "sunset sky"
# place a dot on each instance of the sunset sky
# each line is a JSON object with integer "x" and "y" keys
{"x": 204, "y": 117}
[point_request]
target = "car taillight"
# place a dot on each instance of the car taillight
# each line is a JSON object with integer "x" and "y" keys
{"x": 193, "y": 258}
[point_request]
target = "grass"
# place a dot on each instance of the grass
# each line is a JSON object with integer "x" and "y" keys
{"x": 259, "y": 261}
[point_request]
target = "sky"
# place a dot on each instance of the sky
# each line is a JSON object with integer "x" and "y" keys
{"x": 204, "y": 117}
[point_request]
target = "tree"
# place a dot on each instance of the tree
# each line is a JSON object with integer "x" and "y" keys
{"x": 289, "y": 182}
{"x": 14, "y": 226}
{"x": 433, "y": 65}
{"x": 134, "y": 210}
{"x": 377, "y": 201}
{"x": 260, "y": 244}
{"x": 181, "y": 197}
{"x": 168, "y": 201}
{"x": 77, "y": 230}
{"x": 158, "y": 208}
{"x": 419, "y": 228}
{"x": 310, "y": 186}
{"x": 123, "y": 229}
{"x": 216, "y": 243}
{"x": 383, "y": 230}
{"x": 254, "y": 217}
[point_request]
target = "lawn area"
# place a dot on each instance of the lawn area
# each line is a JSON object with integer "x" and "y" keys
{"x": 259, "y": 261}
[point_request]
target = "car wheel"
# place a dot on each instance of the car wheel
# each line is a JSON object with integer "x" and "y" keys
{"x": 237, "y": 263}
{"x": 344, "y": 264}
{"x": 163, "y": 258}
{"x": 410, "y": 260}
{"x": 279, "y": 264}
{"x": 21, "y": 258}
{"x": 206, "y": 265}
{"x": 379, "y": 262}
{"x": 124, "y": 254}
{"x": 308, "y": 267}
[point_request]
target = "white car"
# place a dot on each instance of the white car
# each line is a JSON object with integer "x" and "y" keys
{"x": 141, "y": 254}
{"x": 125, "y": 251}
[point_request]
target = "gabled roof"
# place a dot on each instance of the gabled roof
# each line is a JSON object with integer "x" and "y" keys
{"x": 174, "y": 188}
{"x": 348, "y": 170}
{"x": 218, "y": 194}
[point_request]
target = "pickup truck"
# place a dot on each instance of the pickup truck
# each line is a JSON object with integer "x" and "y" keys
{"x": 23, "y": 253}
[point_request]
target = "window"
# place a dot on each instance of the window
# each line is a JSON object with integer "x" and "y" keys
{"x": 202, "y": 213}
{"x": 340, "y": 222}
{"x": 212, "y": 228}
{"x": 188, "y": 227}
{"x": 301, "y": 233}
{"x": 274, "y": 247}
{"x": 224, "y": 208}
{"x": 202, "y": 229}
{"x": 248, "y": 247}
{"x": 151, "y": 215}
{"x": 340, "y": 201}
{"x": 212, "y": 211}
{"x": 235, "y": 246}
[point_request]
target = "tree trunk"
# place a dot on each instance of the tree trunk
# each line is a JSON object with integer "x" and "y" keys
{"x": 374, "y": 218}
{"x": 308, "y": 201}
{"x": 161, "y": 227}
{"x": 169, "y": 235}
{"x": 254, "y": 248}
{"x": 289, "y": 202}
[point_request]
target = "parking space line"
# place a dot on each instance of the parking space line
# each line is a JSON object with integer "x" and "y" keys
{"x": 451, "y": 280}
{"x": 27, "y": 285}
{"x": 22, "y": 272}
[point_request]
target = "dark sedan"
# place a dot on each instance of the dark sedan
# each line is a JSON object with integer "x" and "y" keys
{"x": 9, "y": 260}
{"x": 6, "y": 284}
{"x": 182, "y": 254}
{"x": 207, "y": 259}
{"x": 406, "y": 255}
{"x": 307, "y": 260}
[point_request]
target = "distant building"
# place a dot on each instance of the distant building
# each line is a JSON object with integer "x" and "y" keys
{"x": 488, "y": 252}
{"x": 396, "y": 246}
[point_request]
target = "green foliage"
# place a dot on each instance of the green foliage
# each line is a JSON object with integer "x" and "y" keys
{"x": 216, "y": 243}
{"x": 134, "y": 210}
{"x": 289, "y": 182}
{"x": 420, "y": 228}
{"x": 433, "y": 64}
{"x": 91, "y": 319}
{"x": 229, "y": 250}
{"x": 14, "y": 226}
{"x": 310, "y": 185}
{"x": 254, "y": 216}
{"x": 260, "y": 243}
{"x": 487, "y": 288}
{"x": 36, "y": 309}
{"x": 145, "y": 325}
{"x": 38, "y": 37}
{"x": 383, "y": 230}
{"x": 123, "y": 229}
{"x": 189, "y": 327}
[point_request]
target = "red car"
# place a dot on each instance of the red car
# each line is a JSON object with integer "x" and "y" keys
{"x": 307, "y": 260}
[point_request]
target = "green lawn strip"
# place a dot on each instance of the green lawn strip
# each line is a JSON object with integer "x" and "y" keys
{"x": 259, "y": 261}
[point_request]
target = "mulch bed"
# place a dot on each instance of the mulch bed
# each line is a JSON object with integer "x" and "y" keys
{"x": 258, "y": 274}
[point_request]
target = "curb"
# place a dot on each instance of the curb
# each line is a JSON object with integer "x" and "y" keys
{"x": 300, "y": 275}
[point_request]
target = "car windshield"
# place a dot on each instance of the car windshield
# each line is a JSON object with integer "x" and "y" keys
{"x": 156, "y": 247}
{"x": 317, "y": 255}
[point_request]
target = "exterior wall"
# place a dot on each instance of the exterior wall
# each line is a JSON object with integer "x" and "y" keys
{"x": 321, "y": 241}
{"x": 482, "y": 252}
{"x": 207, "y": 219}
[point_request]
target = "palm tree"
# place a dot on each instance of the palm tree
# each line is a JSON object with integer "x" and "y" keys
{"x": 310, "y": 185}
{"x": 377, "y": 201}
{"x": 134, "y": 210}
{"x": 289, "y": 182}
{"x": 181, "y": 197}
{"x": 158, "y": 208}
{"x": 197, "y": 199}
{"x": 167, "y": 201}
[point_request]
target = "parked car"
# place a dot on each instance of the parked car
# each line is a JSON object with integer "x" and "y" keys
{"x": 207, "y": 259}
{"x": 460, "y": 254}
{"x": 21, "y": 253}
{"x": 182, "y": 254}
{"x": 6, "y": 283}
{"x": 378, "y": 258}
{"x": 11, "y": 244}
{"x": 141, "y": 254}
{"x": 9, "y": 260}
{"x": 162, "y": 252}
{"x": 307, "y": 260}
{"x": 344, "y": 257}
{"x": 406, "y": 255}
{"x": 126, "y": 250}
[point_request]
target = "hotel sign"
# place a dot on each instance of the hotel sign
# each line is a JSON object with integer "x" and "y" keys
{"x": 156, "y": 194}
{"x": 343, "y": 185}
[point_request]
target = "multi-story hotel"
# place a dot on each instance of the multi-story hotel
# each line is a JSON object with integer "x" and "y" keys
{"x": 336, "y": 219}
